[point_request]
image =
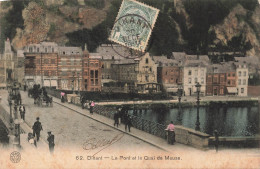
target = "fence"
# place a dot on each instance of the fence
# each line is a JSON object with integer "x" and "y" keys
{"x": 137, "y": 122}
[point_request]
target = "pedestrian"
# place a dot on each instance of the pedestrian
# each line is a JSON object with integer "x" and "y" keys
{"x": 120, "y": 114}
{"x": 171, "y": 133}
{"x": 62, "y": 97}
{"x": 82, "y": 101}
{"x": 116, "y": 118}
{"x": 216, "y": 139}
{"x": 22, "y": 112}
{"x": 50, "y": 139}
{"x": 128, "y": 122}
{"x": 37, "y": 127}
{"x": 19, "y": 99}
{"x": 92, "y": 104}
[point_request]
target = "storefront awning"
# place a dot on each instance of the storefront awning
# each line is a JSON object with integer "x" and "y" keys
{"x": 232, "y": 89}
{"x": 174, "y": 90}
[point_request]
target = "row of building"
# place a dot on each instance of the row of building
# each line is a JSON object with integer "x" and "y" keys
{"x": 114, "y": 68}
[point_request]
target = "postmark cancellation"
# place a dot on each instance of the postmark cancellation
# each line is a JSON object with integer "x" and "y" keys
{"x": 134, "y": 24}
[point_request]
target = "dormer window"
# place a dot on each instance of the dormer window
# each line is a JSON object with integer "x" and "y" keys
{"x": 113, "y": 57}
{"x": 146, "y": 61}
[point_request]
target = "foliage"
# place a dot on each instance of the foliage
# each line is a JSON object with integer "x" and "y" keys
{"x": 13, "y": 19}
{"x": 99, "y": 4}
{"x": 71, "y": 2}
{"x": 52, "y": 30}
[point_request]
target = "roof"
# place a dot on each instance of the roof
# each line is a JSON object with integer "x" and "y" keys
{"x": 194, "y": 63}
{"x": 164, "y": 61}
{"x": 178, "y": 55}
{"x": 124, "y": 61}
{"x": 221, "y": 68}
{"x": 70, "y": 50}
{"x": 112, "y": 51}
{"x": 94, "y": 55}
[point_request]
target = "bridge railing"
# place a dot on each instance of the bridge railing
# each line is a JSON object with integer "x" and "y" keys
{"x": 151, "y": 127}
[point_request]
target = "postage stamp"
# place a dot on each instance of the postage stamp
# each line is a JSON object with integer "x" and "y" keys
{"x": 134, "y": 24}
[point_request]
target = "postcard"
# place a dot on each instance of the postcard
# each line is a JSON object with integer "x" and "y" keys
{"x": 129, "y": 84}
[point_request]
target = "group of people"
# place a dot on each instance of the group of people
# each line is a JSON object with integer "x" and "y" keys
{"x": 126, "y": 118}
{"x": 35, "y": 136}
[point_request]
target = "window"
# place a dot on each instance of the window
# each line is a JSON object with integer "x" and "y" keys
{"x": 196, "y": 72}
{"x": 244, "y": 82}
{"x": 234, "y": 74}
{"x": 92, "y": 73}
{"x": 196, "y": 80}
{"x": 202, "y": 80}
{"x": 96, "y": 73}
{"x": 166, "y": 73}
{"x": 92, "y": 82}
{"x": 38, "y": 61}
{"x": 215, "y": 80}
{"x": 52, "y": 61}
{"x": 189, "y": 81}
{"x": 228, "y": 74}
{"x": 239, "y": 81}
{"x": 150, "y": 69}
{"x": 189, "y": 73}
{"x": 147, "y": 78}
{"x": 239, "y": 73}
{"x": 244, "y": 73}
{"x": 63, "y": 62}
{"x": 38, "y": 50}
{"x": 30, "y": 49}
{"x": 45, "y": 50}
{"x": 229, "y": 82}
{"x": 242, "y": 90}
{"x": 46, "y": 61}
{"x": 96, "y": 82}
{"x": 86, "y": 73}
{"x": 233, "y": 82}
{"x": 52, "y": 50}
{"x": 38, "y": 72}
{"x": 202, "y": 72}
{"x": 146, "y": 61}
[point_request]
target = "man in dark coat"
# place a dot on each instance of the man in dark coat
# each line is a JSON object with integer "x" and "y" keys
{"x": 22, "y": 111}
{"x": 50, "y": 140}
{"x": 128, "y": 123}
{"x": 37, "y": 127}
{"x": 116, "y": 118}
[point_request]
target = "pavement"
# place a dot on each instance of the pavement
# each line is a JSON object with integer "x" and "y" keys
{"x": 74, "y": 127}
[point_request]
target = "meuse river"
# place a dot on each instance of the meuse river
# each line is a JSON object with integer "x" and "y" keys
{"x": 229, "y": 121}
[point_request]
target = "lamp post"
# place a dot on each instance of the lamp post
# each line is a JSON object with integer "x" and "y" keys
{"x": 17, "y": 132}
{"x": 10, "y": 104}
{"x": 198, "y": 86}
{"x": 180, "y": 91}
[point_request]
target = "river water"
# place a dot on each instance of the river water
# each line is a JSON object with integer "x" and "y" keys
{"x": 229, "y": 121}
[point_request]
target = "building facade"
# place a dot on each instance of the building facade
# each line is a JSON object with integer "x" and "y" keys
{"x": 139, "y": 74}
{"x": 194, "y": 72}
{"x": 70, "y": 68}
{"x": 7, "y": 65}
{"x": 41, "y": 64}
{"x": 169, "y": 73}
{"x": 242, "y": 78}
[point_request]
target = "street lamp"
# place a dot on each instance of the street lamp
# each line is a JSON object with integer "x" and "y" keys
{"x": 17, "y": 133}
{"x": 198, "y": 86}
{"x": 180, "y": 91}
{"x": 10, "y": 104}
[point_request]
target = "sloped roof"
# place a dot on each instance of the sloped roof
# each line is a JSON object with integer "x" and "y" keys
{"x": 164, "y": 61}
{"x": 111, "y": 51}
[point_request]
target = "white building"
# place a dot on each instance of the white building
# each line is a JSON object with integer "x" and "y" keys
{"x": 242, "y": 78}
{"x": 194, "y": 71}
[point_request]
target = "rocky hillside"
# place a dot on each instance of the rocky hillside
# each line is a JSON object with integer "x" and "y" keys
{"x": 182, "y": 25}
